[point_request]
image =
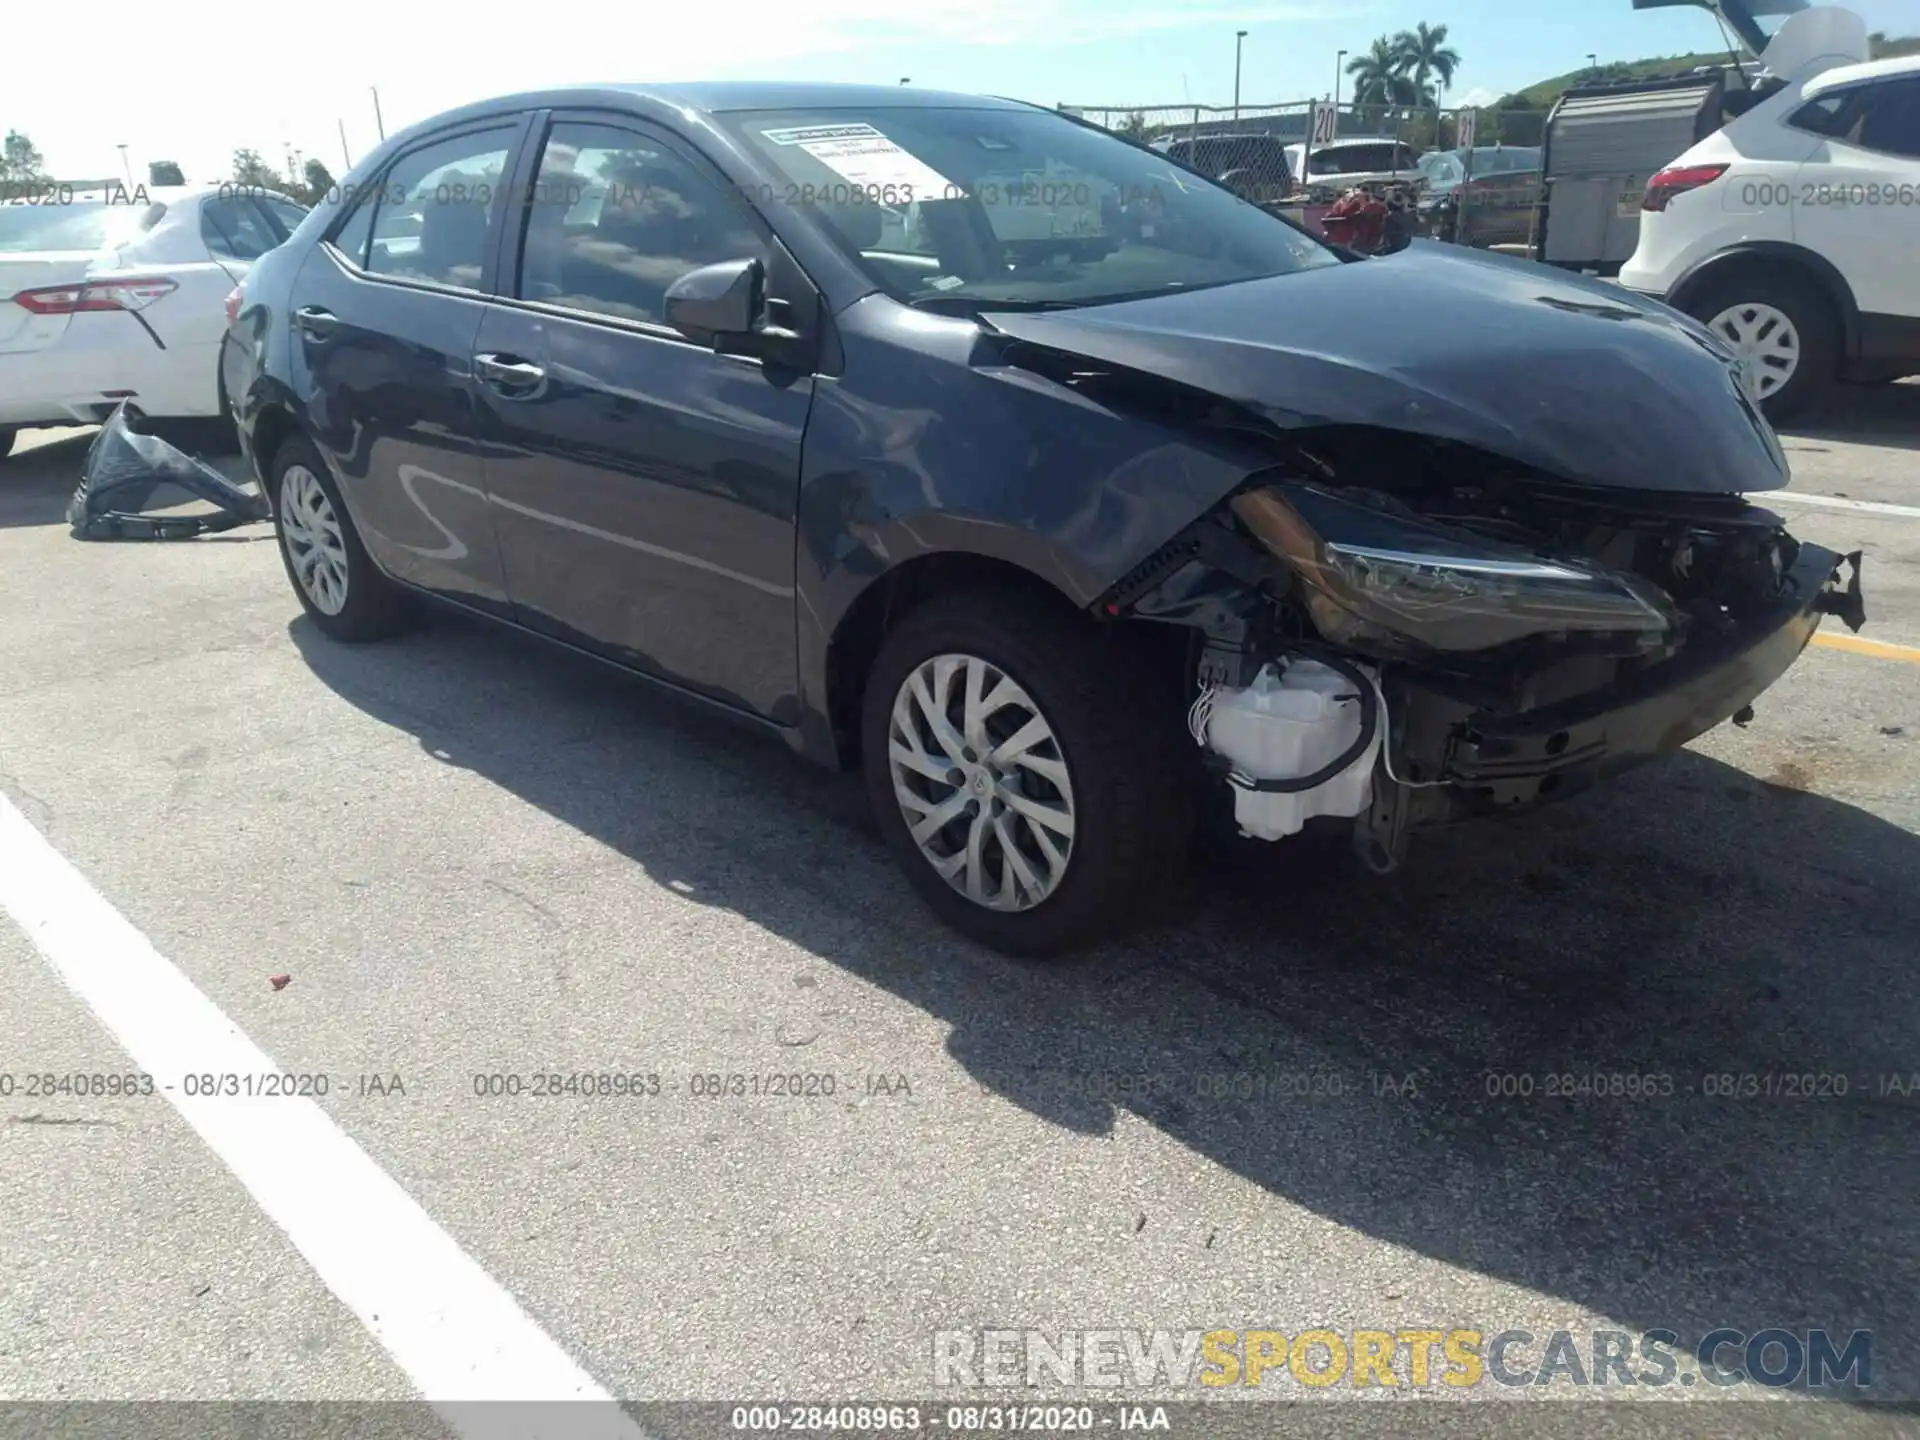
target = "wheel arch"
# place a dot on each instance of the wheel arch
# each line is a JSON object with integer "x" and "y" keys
{"x": 863, "y": 625}
{"x": 273, "y": 425}
{"x": 1776, "y": 257}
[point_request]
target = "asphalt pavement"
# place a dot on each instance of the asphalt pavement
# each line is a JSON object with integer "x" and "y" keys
{"x": 814, "y": 1131}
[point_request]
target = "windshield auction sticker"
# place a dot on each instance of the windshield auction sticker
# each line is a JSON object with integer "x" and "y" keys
{"x": 864, "y": 157}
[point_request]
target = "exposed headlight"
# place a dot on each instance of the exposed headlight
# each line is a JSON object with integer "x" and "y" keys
{"x": 1372, "y": 576}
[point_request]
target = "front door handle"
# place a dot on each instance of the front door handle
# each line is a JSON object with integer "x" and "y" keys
{"x": 509, "y": 374}
{"x": 315, "y": 322}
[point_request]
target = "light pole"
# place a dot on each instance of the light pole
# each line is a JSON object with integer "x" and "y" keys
{"x": 378, "y": 124}
{"x": 125, "y": 165}
{"x": 1238, "y": 37}
{"x": 906, "y": 79}
{"x": 1593, "y": 63}
{"x": 1338, "y": 61}
{"x": 345, "y": 154}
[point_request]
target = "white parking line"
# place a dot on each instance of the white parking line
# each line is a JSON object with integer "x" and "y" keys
{"x": 456, "y": 1333}
{"x": 1765, "y": 499}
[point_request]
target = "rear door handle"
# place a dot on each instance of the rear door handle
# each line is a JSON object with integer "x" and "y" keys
{"x": 315, "y": 322}
{"x": 510, "y": 375}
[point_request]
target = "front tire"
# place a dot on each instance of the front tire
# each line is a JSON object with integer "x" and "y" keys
{"x": 1021, "y": 772}
{"x": 343, "y": 592}
{"x": 1786, "y": 332}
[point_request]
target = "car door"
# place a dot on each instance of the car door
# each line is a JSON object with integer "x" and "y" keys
{"x": 1857, "y": 200}
{"x": 385, "y": 312}
{"x": 644, "y": 485}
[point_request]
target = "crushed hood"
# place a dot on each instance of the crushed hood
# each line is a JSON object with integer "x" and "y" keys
{"x": 1579, "y": 379}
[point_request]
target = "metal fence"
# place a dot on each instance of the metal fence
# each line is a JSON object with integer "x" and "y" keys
{"x": 1494, "y": 205}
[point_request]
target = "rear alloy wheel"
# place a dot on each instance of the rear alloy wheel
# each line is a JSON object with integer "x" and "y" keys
{"x": 338, "y": 584}
{"x": 1019, "y": 773}
{"x": 1783, "y": 333}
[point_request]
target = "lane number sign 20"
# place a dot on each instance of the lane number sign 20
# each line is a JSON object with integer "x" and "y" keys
{"x": 1326, "y": 123}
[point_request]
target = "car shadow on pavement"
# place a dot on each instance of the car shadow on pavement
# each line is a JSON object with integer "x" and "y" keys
{"x": 1887, "y": 415}
{"x": 1527, "y": 1055}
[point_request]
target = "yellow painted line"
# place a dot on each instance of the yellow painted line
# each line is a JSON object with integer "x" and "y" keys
{"x": 1879, "y": 649}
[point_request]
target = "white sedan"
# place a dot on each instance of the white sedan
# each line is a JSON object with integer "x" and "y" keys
{"x": 121, "y": 295}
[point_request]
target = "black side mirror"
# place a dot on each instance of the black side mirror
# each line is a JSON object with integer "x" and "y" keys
{"x": 717, "y": 301}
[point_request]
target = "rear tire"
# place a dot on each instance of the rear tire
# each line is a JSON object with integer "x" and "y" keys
{"x": 6, "y": 442}
{"x": 343, "y": 592}
{"x": 1106, "y": 778}
{"x": 1778, "y": 323}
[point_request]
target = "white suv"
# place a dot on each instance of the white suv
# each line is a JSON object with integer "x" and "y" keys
{"x": 1794, "y": 233}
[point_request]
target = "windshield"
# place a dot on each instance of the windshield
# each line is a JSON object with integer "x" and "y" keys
{"x": 958, "y": 207}
{"x": 83, "y": 225}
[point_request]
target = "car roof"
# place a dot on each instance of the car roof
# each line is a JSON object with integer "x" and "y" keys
{"x": 691, "y": 99}
{"x": 1868, "y": 70}
{"x": 717, "y": 97}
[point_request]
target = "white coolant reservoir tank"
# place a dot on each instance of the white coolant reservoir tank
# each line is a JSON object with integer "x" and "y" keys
{"x": 1291, "y": 722}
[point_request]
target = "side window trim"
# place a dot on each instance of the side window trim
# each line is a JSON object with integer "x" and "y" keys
{"x": 515, "y": 124}
{"x": 513, "y": 238}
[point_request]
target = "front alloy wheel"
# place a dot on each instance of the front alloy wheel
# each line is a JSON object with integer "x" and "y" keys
{"x": 981, "y": 782}
{"x": 1025, "y": 769}
{"x": 316, "y": 551}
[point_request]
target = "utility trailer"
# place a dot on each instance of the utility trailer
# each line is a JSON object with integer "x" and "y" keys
{"x": 1602, "y": 144}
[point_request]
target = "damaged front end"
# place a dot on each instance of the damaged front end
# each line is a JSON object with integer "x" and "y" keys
{"x": 1401, "y": 633}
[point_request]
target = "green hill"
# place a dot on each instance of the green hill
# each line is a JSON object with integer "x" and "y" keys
{"x": 1543, "y": 93}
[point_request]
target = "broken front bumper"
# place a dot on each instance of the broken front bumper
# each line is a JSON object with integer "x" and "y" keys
{"x": 1490, "y": 763}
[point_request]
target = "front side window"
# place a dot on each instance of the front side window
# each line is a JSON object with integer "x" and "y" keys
{"x": 950, "y": 208}
{"x": 615, "y": 219}
{"x": 429, "y": 219}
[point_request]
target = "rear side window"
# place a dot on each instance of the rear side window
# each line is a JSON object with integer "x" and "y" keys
{"x": 1891, "y": 121}
{"x": 234, "y": 229}
{"x": 1830, "y": 115}
{"x": 429, "y": 219}
{"x": 283, "y": 213}
{"x": 615, "y": 219}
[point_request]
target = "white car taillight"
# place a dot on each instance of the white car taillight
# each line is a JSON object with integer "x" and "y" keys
{"x": 129, "y": 293}
{"x": 1677, "y": 180}
{"x": 233, "y": 305}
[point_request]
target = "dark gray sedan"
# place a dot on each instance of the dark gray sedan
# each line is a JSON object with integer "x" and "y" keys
{"x": 1075, "y": 500}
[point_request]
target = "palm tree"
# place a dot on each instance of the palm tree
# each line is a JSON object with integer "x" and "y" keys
{"x": 1423, "y": 55}
{"x": 1377, "y": 76}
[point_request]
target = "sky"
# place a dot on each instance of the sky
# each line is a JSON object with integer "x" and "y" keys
{"x": 213, "y": 77}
